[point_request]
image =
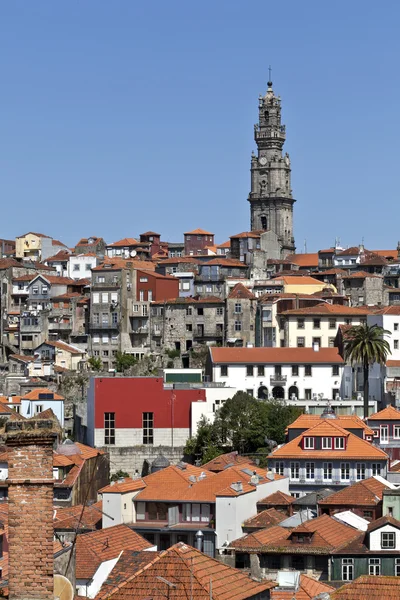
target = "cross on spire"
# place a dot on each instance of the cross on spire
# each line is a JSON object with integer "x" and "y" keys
{"x": 269, "y": 76}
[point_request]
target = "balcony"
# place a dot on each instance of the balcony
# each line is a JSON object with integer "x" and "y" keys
{"x": 60, "y": 326}
{"x": 105, "y": 285}
{"x": 144, "y": 330}
{"x": 278, "y": 380}
{"x": 103, "y": 326}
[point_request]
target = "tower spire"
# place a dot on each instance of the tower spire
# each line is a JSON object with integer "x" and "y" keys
{"x": 269, "y": 77}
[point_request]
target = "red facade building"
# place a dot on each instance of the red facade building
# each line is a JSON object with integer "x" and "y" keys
{"x": 197, "y": 241}
{"x": 151, "y": 286}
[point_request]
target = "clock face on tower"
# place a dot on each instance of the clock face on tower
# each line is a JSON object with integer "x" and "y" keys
{"x": 262, "y": 160}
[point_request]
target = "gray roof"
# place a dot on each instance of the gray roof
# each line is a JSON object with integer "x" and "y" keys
{"x": 312, "y": 498}
{"x": 160, "y": 461}
{"x": 298, "y": 518}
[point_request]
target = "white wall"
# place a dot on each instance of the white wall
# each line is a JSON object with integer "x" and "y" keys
{"x": 375, "y": 537}
{"x": 309, "y": 332}
{"x": 134, "y": 436}
{"x": 78, "y": 266}
{"x": 321, "y": 382}
{"x": 112, "y": 513}
{"x": 28, "y": 408}
{"x": 232, "y": 511}
{"x": 215, "y": 398}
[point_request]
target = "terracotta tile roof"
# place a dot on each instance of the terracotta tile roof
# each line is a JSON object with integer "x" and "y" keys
{"x": 389, "y": 310}
{"x": 60, "y": 460}
{"x": 121, "y": 487}
{"x": 33, "y": 233}
{"x": 308, "y": 589}
{"x": 384, "y": 520}
{"x": 72, "y": 517}
{"x": 224, "y": 245}
{"x": 68, "y": 296}
{"x": 116, "y": 264}
{"x": 190, "y": 571}
{"x": 156, "y": 275}
{"x": 94, "y": 242}
{"x": 247, "y": 234}
{"x": 368, "y": 492}
{"x": 390, "y": 413}
{"x": 34, "y": 394}
{"x": 22, "y": 357}
{"x": 355, "y": 446}
{"x": 304, "y": 260}
{"x": 225, "y": 460}
{"x": 360, "y": 275}
{"x": 224, "y": 262}
{"x": 327, "y": 251}
{"x": 104, "y": 544}
{"x": 277, "y": 499}
{"x": 265, "y": 518}
{"x": 325, "y": 308}
{"x": 180, "y": 259}
{"x": 198, "y": 232}
{"x": 240, "y": 291}
{"x": 64, "y": 346}
{"x": 298, "y": 280}
{"x": 6, "y": 263}
{"x": 123, "y": 242}
{"x": 88, "y": 451}
{"x": 275, "y": 355}
{"x": 353, "y": 250}
{"x": 328, "y": 534}
{"x": 150, "y": 233}
{"x": 54, "y": 280}
{"x": 62, "y": 255}
{"x": 386, "y": 253}
{"x": 6, "y": 410}
{"x": 129, "y": 563}
{"x": 345, "y": 421}
{"x": 369, "y": 587}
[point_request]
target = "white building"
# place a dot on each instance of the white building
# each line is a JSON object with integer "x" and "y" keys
{"x": 385, "y": 381}
{"x": 39, "y": 400}
{"x": 305, "y": 377}
{"x": 80, "y": 265}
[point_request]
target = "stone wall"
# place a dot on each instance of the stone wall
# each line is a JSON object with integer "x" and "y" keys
{"x": 129, "y": 459}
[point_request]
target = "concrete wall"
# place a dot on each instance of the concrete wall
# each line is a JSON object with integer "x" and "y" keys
{"x": 164, "y": 436}
{"x": 129, "y": 459}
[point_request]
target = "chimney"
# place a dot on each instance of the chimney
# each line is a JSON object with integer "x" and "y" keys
{"x": 30, "y": 508}
{"x": 237, "y": 486}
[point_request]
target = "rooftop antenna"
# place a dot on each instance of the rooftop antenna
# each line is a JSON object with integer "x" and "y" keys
{"x": 305, "y": 247}
{"x": 269, "y": 76}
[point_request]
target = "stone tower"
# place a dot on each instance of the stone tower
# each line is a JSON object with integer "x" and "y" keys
{"x": 271, "y": 200}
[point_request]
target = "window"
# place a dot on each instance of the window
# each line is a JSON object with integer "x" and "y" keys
{"x": 280, "y": 468}
{"x": 374, "y": 566}
{"x": 295, "y": 371}
{"x": 195, "y": 512}
{"x": 189, "y": 327}
{"x": 88, "y": 266}
{"x": 335, "y": 393}
{"x": 114, "y": 296}
{"x": 294, "y": 470}
{"x": 38, "y": 408}
{"x": 339, "y": 443}
{"x": 209, "y": 288}
{"x": 316, "y": 341}
{"x": 327, "y": 471}
{"x": 308, "y": 371}
{"x": 261, "y": 371}
{"x": 205, "y": 513}
{"x": 376, "y": 469}
{"x": 78, "y": 268}
{"x": 301, "y": 342}
{"x": 200, "y": 311}
{"x": 148, "y": 427}
{"x": 348, "y": 321}
{"x": 317, "y": 323}
{"x": 347, "y": 569}
{"x": 388, "y": 540}
{"x": 135, "y": 308}
{"x": 188, "y": 311}
{"x": 308, "y": 394}
{"x": 335, "y": 370}
{"x": 396, "y": 431}
{"x": 44, "y": 290}
{"x": 143, "y": 279}
{"x": 396, "y": 326}
{"x": 396, "y": 344}
{"x": 300, "y": 323}
{"x": 250, "y": 392}
{"x": 397, "y": 567}
{"x": 360, "y": 467}
{"x": 104, "y": 298}
{"x": 199, "y": 289}
{"x": 238, "y": 308}
{"x": 188, "y": 237}
{"x": 35, "y": 289}
{"x": 310, "y": 470}
{"x": 109, "y": 428}
{"x": 308, "y": 443}
{"x": 327, "y": 443}
{"x": 96, "y": 318}
{"x": 332, "y": 323}
{"x": 140, "y": 511}
{"x": 104, "y": 318}
{"x": 238, "y": 326}
{"x": 114, "y": 318}
{"x": 367, "y": 514}
{"x": 185, "y": 285}
{"x": 345, "y": 471}
{"x": 105, "y": 353}
{"x": 141, "y": 295}
{"x": 220, "y": 311}
{"x": 224, "y": 370}
{"x": 249, "y": 371}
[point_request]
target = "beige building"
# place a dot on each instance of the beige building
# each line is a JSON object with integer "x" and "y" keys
{"x": 241, "y": 310}
{"x": 33, "y": 246}
{"x": 319, "y": 324}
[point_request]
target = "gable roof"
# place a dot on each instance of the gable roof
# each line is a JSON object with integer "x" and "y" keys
{"x": 64, "y": 346}
{"x": 129, "y": 563}
{"x": 265, "y": 518}
{"x": 71, "y": 517}
{"x": 34, "y": 394}
{"x": 308, "y": 589}
{"x": 224, "y": 461}
{"x": 355, "y": 446}
{"x": 368, "y": 492}
{"x": 390, "y": 413}
{"x": 277, "y": 499}
{"x": 190, "y": 571}
{"x": 275, "y": 355}
{"x": 198, "y": 232}
{"x": 104, "y": 544}
{"x": 240, "y": 291}
{"x": 307, "y": 421}
{"x": 304, "y": 260}
{"x": 385, "y": 520}
{"x": 123, "y": 242}
{"x": 369, "y": 587}
{"x": 325, "y": 308}
{"x": 127, "y": 484}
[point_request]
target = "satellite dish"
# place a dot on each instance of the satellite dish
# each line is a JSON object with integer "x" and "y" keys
{"x": 63, "y": 589}
{"x": 133, "y": 253}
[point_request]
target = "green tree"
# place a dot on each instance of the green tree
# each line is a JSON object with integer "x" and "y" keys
{"x": 279, "y": 416}
{"x": 200, "y": 445}
{"x": 95, "y": 363}
{"x": 119, "y": 475}
{"x": 365, "y": 345}
{"x": 124, "y": 361}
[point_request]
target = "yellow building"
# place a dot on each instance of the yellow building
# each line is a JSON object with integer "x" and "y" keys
{"x": 293, "y": 284}
{"x": 31, "y": 245}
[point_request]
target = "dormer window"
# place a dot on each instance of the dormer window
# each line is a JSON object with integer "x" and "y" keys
{"x": 308, "y": 443}
{"x": 388, "y": 540}
{"x": 339, "y": 443}
{"x": 327, "y": 443}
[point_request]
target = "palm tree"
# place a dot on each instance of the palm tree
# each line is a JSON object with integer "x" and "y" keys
{"x": 365, "y": 344}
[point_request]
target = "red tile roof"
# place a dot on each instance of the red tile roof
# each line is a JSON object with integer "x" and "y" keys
{"x": 247, "y": 234}
{"x": 123, "y": 242}
{"x": 368, "y": 492}
{"x": 225, "y": 262}
{"x": 73, "y": 517}
{"x": 265, "y": 518}
{"x": 198, "y": 232}
{"x": 240, "y": 292}
{"x": 104, "y": 544}
{"x": 325, "y": 308}
{"x": 190, "y": 573}
{"x": 129, "y": 563}
{"x": 390, "y": 413}
{"x": 308, "y": 589}
{"x": 304, "y": 260}
{"x": 355, "y": 446}
{"x": 34, "y": 394}
{"x": 64, "y": 346}
{"x": 369, "y": 587}
{"x": 360, "y": 275}
{"x": 345, "y": 421}
{"x": 277, "y": 499}
{"x": 122, "y": 487}
{"x": 223, "y": 461}
{"x": 275, "y": 355}
{"x": 62, "y": 255}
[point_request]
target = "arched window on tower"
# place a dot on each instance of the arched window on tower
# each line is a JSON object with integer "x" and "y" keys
{"x": 266, "y": 115}
{"x": 264, "y": 223}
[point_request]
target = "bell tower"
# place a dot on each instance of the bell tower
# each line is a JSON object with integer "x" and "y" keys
{"x": 271, "y": 200}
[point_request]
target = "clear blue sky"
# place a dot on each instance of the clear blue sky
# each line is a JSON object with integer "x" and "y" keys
{"x": 119, "y": 117}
